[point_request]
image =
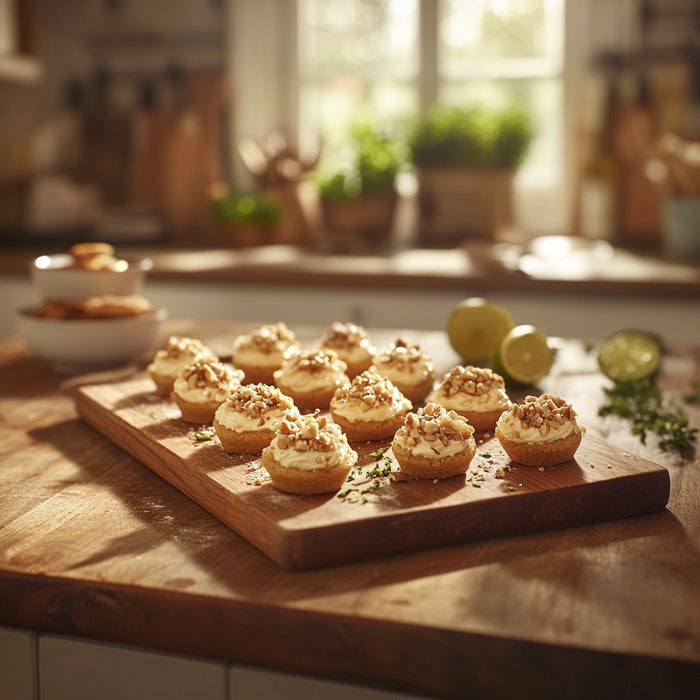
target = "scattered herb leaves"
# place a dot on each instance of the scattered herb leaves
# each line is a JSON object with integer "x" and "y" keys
{"x": 373, "y": 478}
{"x": 203, "y": 436}
{"x": 381, "y": 471}
{"x": 642, "y": 404}
{"x": 380, "y": 452}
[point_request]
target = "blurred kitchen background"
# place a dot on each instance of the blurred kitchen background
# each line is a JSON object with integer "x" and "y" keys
{"x": 180, "y": 121}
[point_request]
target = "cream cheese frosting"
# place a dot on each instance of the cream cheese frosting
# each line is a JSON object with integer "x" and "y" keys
{"x": 206, "y": 380}
{"x": 540, "y": 420}
{"x": 477, "y": 389}
{"x": 310, "y": 370}
{"x": 179, "y": 352}
{"x": 309, "y": 442}
{"x": 264, "y": 346}
{"x": 434, "y": 432}
{"x": 253, "y": 407}
{"x": 351, "y": 342}
{"x": 404, "y": 363}
{"x": 369, "y": 397}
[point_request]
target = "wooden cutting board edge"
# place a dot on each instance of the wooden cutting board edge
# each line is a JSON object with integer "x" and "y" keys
{"x": 290, "y": 548}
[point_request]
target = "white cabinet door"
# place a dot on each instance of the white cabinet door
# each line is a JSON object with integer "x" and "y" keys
{"x": 71, "y": 669}
{"x": 17, "y": 664}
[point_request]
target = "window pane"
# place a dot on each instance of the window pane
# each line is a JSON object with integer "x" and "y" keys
{"x": 357, "y": 59}
{"x": 360, "y": 59}
{"x": 487, "y": 30}
{"x": 358, "y": 37}
{"x": 335, "y": 104}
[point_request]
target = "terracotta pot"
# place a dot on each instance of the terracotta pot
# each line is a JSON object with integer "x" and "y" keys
{"x": 361, "y": 223}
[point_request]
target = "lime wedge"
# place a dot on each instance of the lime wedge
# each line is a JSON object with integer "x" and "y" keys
{"x": 524, "y": 356}
{"x": 629, "y": 355}
{"x": 476, "y": 328}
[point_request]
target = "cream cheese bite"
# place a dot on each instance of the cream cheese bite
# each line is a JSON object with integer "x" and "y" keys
{"x": 261, "y": 352}
{"x": 408, "y": 367}
{"x": 309, "y": 454}
{"x": 170, "y": 361}
{"x": 247, "y": 420}
{"x": 311, "y": 377}
{"x": 370, "y": 407}
{"x": 539, "y": 432}
{"x": 202, "y": 387}
{"x": 352, "y": 345}
{"x": 434, "y": 443}
{"x": 477, "y": 393}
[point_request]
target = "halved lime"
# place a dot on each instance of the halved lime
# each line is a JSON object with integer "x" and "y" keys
{"x": 524, "y": 356}
{"x": 476, "y": 328}
{"x": 629, "y": 355}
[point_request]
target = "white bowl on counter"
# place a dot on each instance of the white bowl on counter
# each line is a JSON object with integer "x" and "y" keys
{"x": 77, "y": 346}
{"x": 57, "y": 277}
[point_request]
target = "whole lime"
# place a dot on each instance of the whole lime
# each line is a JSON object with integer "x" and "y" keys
{"x": 476, "y": 328}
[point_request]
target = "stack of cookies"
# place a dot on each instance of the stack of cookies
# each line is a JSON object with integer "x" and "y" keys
{"x": 91, "y": 314}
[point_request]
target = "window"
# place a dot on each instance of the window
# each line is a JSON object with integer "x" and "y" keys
{"x": 388, "y": 59}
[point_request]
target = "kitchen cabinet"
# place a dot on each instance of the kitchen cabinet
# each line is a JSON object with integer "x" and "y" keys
{"x": 18, "y": 670}
{"x": 56, "y": 667}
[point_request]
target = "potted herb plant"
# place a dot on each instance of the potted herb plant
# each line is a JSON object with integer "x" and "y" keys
{"x": 465, "y": 162}
{"x": 357, "y": 190}
{"x": 244, "y": 219}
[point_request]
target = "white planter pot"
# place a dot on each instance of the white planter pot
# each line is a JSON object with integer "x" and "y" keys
{"x": 456, "y": 203}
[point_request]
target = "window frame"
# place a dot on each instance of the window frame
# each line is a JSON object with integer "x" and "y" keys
{"x": 259, "y": 33}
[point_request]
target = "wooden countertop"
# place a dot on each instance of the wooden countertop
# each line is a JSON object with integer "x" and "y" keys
{"x": 598, "y": 270}
{"x": 93, "y": 544}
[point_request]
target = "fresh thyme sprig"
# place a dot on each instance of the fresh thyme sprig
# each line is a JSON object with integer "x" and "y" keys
{"x": 642, "y": 404}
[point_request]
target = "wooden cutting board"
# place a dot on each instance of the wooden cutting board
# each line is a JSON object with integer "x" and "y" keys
{"x": 379, "y": 515}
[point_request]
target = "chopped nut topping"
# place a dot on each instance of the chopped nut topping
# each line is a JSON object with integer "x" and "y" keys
{"x": 369, "y": 388}
{"x": 257, "y": 400}
{"x": 207, "y": 372}
{"x": 434, "y": 423}
{"x": 310, "y": 433}
{"x": 312, "y": 361}
{"x": 475, "y": 381}
{"x": 543, "y": 412}
{"x": 179, "y": 346}
{"x": 267, "y": 339}
{"x": 402, "y": 356}
{"x": 343, "y": 336}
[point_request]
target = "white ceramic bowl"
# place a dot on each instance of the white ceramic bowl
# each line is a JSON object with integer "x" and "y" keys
{"x": 55, "y": 276}
{"x": 76, "y": 346}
